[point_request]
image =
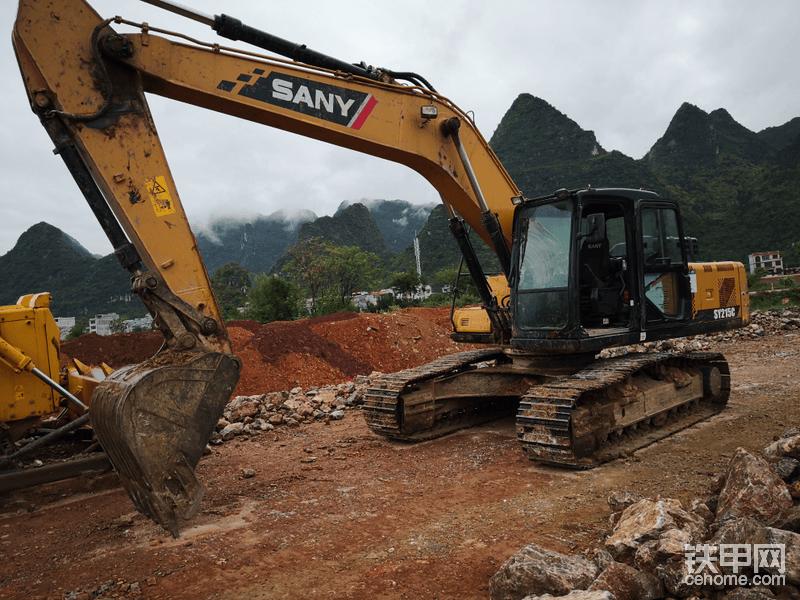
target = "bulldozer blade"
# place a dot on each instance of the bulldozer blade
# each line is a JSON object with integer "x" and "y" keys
{"x": 154, "y": 420}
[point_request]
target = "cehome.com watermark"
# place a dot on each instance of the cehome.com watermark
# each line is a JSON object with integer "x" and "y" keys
{"x": 704, "y": 564}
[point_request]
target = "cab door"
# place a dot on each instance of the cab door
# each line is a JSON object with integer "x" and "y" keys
{"x": 663, "y": 269}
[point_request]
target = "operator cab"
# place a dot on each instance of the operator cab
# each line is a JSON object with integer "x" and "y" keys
{"x": 597, "y": 268}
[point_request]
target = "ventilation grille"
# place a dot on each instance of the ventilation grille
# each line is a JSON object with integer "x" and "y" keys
{"x": 727, "y": 292}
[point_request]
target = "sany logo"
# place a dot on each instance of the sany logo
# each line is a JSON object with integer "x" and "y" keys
{"x": 339, "y": 105}
{"x": 283, "y": 90}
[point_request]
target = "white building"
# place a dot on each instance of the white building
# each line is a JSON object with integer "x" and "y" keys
{"x": 65, "y": 325}
{"x": 101, "y": 324}
{"x": 771, "y": 261}
{"x": 421, "y": 292}
{"x": 366, "y": 301}
{"x": 143, "y": 323}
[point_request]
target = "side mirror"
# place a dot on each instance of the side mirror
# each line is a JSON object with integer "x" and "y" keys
{"x": 596, "y": 224}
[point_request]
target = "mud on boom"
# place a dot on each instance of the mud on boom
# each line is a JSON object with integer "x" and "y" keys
{"x": 581, "y": 270}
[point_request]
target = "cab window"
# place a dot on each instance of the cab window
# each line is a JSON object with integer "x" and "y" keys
{"x": 542, "y": 300}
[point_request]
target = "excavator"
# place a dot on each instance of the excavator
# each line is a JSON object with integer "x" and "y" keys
{"x": 581, "y": 270}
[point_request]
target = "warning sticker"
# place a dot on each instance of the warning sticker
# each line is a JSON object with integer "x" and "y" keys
{"x": 160, "y": 196}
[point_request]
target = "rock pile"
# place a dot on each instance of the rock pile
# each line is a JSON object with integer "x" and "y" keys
{"x": 773, "y": 322}
{"x": 251, "y": 415}
{"x": 777, "y": 321}
{"x": 739, "y": 543}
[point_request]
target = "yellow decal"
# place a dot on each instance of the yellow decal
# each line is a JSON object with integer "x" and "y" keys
{"x": 160, "y": 196}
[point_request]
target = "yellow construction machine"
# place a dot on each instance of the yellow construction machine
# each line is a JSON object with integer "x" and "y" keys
{"x": 582, "y": 270}
{"x": 37, "y": 394}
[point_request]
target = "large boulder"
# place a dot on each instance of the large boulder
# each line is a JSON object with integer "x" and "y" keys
{"x": 752, "y": 488}
{"x": 734, "y": 530}
{"x": 326, "y": 397}
{"x": 291, "y": 405}
{"x": 618, "y": 502}
{"x": 788, "y": 445}
{"x": 651, "y": 520}
{"x": 665, "y": 558}
{"x": 232, "y": 430}
{"x": 535, "y": 570}
{"x": 241, "y": 407}
{"x": 248, "y": 408}
{"x": 627, "y": 583}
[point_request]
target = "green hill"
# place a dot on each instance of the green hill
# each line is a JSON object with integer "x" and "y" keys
{"x": 733, "y": 185}
{"x": 45, "y": 259}
{"x": 398, "y": 220}
{"x": 352, "y": 226}
{"x": 255, "y": 244}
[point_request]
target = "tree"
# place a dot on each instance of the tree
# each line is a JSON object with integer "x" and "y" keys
{"x": 791, "y": 257}
{"x": 118, "y": 325}
{"x": 231, "y": 284}
{"x": 273, "y": 299}
{"x": 446, "y": 277}
{"x": 352, "y": 270}
{"x": 406, "y": 285}
{"x": 80, "y": 327}
{"x": 754, "y": 278}
{"x": 328, "y": 275}
{"x": 386, "y": 303}
{"x": 306, "y": 267}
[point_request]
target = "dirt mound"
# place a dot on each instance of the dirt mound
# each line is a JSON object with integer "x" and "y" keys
{"x": 277, "y": 339}
{"x": 284, "y": 354}
{"x": 331, "y": 349}
{"x": 310, "y": 352}
{"x": 115, "y": 350}
{"x": 395, "y": 341}
{"x": 340, "y": 316}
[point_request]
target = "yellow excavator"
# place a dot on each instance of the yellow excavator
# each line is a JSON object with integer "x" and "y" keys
{"x": 582, "y": 270}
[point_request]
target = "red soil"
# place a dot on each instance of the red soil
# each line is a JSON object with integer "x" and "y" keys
{"x": 319, "y": 351}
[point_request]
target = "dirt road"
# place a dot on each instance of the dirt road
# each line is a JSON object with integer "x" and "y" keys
{"x": 333, "y": 511}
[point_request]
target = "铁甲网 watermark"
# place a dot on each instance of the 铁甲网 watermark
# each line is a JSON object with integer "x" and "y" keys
{"x": 705, "y": 562}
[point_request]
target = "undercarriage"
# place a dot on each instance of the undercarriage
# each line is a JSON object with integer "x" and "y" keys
{"x": 573, "y": 413}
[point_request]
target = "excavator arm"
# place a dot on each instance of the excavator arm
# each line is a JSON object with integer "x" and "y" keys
{"x": 155, "y": 418}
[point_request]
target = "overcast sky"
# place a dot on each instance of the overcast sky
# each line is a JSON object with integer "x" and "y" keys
{"x": 620, "y": 68}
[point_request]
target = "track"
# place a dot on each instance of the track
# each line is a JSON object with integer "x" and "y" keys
{"x": 387, "y": 415}
{"x": 586, "y": 419}
{"x": 610, "y": 408}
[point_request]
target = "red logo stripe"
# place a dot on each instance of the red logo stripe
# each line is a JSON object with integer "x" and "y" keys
{"x": 364, "y": 113}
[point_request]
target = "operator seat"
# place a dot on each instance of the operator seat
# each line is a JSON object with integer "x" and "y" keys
{"x": 595, "y": 260}
{"x": 600, "y": 291}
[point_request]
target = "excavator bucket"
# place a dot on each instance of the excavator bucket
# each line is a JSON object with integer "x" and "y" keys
{"x": 154, "y": 420}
